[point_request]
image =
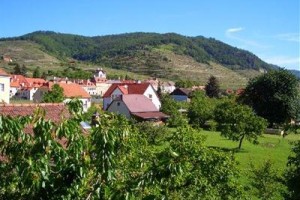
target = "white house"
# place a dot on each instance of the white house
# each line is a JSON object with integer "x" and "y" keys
{"x": 119, "y": 89}
{"x": 4, "y": 86}
{"x": 136, "y": 106}
{"x": 23, "y": 87}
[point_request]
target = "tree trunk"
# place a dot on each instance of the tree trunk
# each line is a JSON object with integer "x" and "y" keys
{"x": 241, "y": 140}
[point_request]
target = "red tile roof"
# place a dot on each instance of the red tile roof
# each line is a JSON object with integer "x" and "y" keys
{"x": 53, "y": 111}
{"x": 3, "y": 73}
{"x": 138, "y": 103}
{"x": 132, "y": 88}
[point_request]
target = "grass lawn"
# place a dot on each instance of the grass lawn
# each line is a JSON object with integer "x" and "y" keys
{"x": 270, "y": 147}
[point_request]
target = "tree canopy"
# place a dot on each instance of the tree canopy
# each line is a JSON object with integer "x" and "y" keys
{"x": 293, "y": 172}
{"x": 54, "y": 95}
{"x": 112, "y": 161}
{"x": 274, "y": 96}
{"x": 37, "y": 72}
{"x": 237, "y": 122}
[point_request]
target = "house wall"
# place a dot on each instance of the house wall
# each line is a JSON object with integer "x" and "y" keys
{"x": 108, "y": 100}
{"x": 168, "y": 89}
{"x": 13, "y": 91}
{"x": 4, "y": 88}
{"x": 38, "y": 95}
{"x": 119, "y": 107}
{"x": 151, "y": 94}
{"x": 90, "y": 89}
{"x": 86, "y": 103}
{"x": 101, "y": 88}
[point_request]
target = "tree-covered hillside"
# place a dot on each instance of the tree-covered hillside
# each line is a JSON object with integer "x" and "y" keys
{"x": 101, "y": 48}
{"x": 170, "y": 56}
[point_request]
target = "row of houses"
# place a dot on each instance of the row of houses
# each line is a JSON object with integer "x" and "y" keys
{"x": 118, "y": 96}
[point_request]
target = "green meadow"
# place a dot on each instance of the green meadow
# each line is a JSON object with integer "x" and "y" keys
{"x": 271, "y": 147}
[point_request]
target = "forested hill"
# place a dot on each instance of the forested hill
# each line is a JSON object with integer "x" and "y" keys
{"x": 99, "y": 49}
{"x": 169, "y": 55}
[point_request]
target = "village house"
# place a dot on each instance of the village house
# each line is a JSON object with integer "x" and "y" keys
{"x": 7, "y": 58}
{"x": 88, "y": 86}
{"x": 167, "y": 87}
{"x": 136, "y": 106}
{"x": 181, "y": 94}
{"x": 4, "y": 87}
{"x": 23, "y": 87}
{"x": 119, "y": 89}
{"x": 99, "y": 76}
{"x": 71, "y": 90}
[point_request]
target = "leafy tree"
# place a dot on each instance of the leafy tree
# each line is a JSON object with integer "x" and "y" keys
{"x": 237, "y": 122}
{"x": 181, "y": 170}
{"x": 293, "y": 173}
{"x": 212, "y": 87}
{"x": 113, "y": 161}
{"x": 172, "y": 107}
{"x": 54, "y": 95}
{"x": 153, "y": 134}
{"x": 36, "y": 72}
{"x": 200, "y": 109}
{"x": 274, "y": 96}
{"x": 24, "y": 70}
{"x": 17, "y": 69}
{"x": 266, "y": 181}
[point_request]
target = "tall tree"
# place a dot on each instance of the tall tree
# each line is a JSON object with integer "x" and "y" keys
{"x": 17, "y": 69}
{"x": 274, "y": 96}
{"x": 239, "y": 122}
{"x": 212, "y": 87}
{"x": 54, "y": 95}
{"x": 24, "y": 70}
{"x": 36, "y": 72}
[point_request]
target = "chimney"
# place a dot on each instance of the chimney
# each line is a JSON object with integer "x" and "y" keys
{"x": 95, "y": 119}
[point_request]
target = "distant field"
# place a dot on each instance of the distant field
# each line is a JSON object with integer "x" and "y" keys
{"x": 270, "y": 147}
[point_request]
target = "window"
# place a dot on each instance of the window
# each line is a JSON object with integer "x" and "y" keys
{"x": 150, "y": 96}
{"x": 2, "y": 87}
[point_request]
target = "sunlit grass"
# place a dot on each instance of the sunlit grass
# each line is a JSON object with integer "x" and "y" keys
{"x": 271, "y": 147}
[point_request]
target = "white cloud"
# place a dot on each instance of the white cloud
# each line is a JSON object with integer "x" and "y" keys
{"x": 232, "y": 34}
{"x": 234, "y": 30}
{"x": 284, "y": 61}
{"x": 291, "y": 37}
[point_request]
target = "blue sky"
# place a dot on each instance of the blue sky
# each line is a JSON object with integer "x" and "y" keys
{"x": 268, "y": 28}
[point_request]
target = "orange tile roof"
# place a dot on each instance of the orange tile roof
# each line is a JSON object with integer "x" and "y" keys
{"x": 21, "y": 81}
{"x": 35, "y": 82}
{"x": 14, "y": 84}
{"x": 72, "y": 90}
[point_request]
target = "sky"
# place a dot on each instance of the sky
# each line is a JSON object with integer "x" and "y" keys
{"x": 267, "y": 28}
